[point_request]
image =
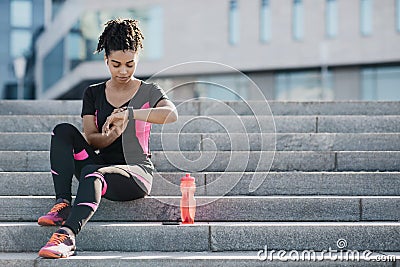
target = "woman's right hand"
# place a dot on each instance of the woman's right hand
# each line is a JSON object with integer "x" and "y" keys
{"x": 116, "y": 123}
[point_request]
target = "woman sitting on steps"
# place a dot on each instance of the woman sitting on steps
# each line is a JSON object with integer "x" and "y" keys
{"x": 121, "y": 104}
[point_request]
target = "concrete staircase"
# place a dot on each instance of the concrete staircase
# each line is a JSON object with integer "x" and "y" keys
{"x": 315, "y": 176}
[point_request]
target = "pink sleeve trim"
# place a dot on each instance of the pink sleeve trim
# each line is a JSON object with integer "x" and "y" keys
{"x": 95, "y": 120}
{"x": 143, "y": 131}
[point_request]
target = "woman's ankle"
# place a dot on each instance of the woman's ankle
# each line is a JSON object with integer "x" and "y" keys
{"x": 68, "y": 230}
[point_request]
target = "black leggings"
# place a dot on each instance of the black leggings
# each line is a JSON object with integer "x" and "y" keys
{"x": 71, "y": 154}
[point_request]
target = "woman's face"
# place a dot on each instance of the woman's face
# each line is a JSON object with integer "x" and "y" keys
{"x": 122, "y": 65}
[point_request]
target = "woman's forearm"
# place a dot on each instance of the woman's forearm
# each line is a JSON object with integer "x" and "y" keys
{"x": 158, "y": 115}
{"x": 99, "y": 140}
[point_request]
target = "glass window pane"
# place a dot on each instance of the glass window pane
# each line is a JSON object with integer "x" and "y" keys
{"x": 150, "y": 22}
{"x": 281, "y": 86}
{"x": 234, "y": 87}
{"x": 388, "y": 83}
{"x": 265, "y": 21}
{"x": 20, "y": 42}
{"x": 304, "y": 85}
{"x": 233, "y": 22}
{"x": 368, "y": 84}
{"x": 331, "y": 18}
{"x": 297, "y": 20}
{"x": 398, "y": 15}
{"x": 76, "y": 49}
{"x": 381, "y": 83}
{"x": 21, "y": 13}
{"x": 53, "y": 66}
{"x": 366, "y": 17}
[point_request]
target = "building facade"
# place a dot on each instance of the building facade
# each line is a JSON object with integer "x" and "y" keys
{"x": 291, "y": 49}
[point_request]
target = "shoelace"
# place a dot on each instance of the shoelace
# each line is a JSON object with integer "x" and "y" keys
{"x": 57, "y": 238}
{"x": 57, "y": 207}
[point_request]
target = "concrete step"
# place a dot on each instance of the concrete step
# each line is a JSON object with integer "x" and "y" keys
{"x": 233, "y": 141}
{"x": 240, "y": 161}
{"x": 227, "y": 124}
{"x": 217, "y": 209}
{"x": 214, "y": 236}
{"x": 206, "y": 258}
{"x": 304, "y": 183}
{"x": 62, "y": 107}
{"x": 232, "y": 184}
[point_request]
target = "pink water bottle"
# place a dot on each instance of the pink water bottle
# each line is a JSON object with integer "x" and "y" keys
{"x": 188, "y": 202}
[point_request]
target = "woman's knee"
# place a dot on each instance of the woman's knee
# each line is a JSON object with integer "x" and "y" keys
{"x": 91, "y": 172}
{"x": 64, "y": 129}
{"x": 89, "y": 169}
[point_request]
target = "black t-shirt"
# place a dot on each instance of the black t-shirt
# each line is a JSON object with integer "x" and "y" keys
{"x": 135, "y": 140}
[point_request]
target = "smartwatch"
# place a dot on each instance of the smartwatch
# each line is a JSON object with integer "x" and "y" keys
{"x": 130, "y": 113}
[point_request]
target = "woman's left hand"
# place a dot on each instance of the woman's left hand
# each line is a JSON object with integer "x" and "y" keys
{"x": 118, "y": 118}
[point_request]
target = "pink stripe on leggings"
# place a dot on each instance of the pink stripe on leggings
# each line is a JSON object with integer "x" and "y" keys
{"x": 81, "y": 155}
{"x": 53, "y": 172}
{"x": 103, "y": 181}
{"x": 94, "y": 206}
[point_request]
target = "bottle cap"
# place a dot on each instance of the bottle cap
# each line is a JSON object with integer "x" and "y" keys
{"x": 187, "y": 178}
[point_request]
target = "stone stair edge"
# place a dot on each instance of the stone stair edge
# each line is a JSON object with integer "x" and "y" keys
{"x": 223, "y": 208}
{"x": 244, "y": 173}
{"x": 201, "y": 197}
{"x": 227, "y": 161}
{"x": 40, "y": 141}
{"x": 200, "y": 100}
{"x": 220, "y": 116}
{"x": 155, "y": 258}
{"x": 284, "y": 183}
{"x": 280, "y": 134}
{"x": 214, "y": 236}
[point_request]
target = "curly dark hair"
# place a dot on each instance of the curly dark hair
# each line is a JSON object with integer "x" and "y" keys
{"x": 120, "y": 34}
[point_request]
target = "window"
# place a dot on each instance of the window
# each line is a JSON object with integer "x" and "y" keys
{"x": 21, "y": 14}
{"x": 233, "y": 22}
{"x": 398, "y": 15}
{"x": 297, "y": 22}
{"x": 20, "y": 42}
{"x": 76, "y": 50}
{"x": 303, "y": 85}
{"x": 83, "y": 36}
{"x": 380, "y": 83}
{"x": 53, "y": 65}
{"x": 224, "y": 87}
{"x": 21, "y": 23}
{"x": 366, "y": 17}
{"x": 151, "y": 22}
{"x": 265, "y": 21}
{"x": 331, "y": 18}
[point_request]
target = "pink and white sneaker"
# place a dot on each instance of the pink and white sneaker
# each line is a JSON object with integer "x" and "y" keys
{"x": 60, "y": 245}
{"x": 57, "y": 215}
